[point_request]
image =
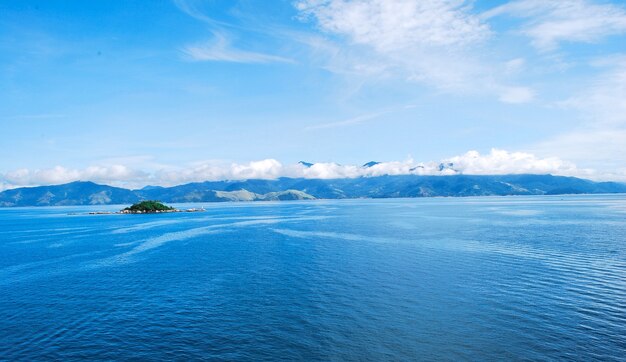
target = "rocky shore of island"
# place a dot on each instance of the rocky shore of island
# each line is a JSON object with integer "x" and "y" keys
{"x": 147, "y": 207}
{"x": 144, "y": 212}
{"x": 159, "y": 211}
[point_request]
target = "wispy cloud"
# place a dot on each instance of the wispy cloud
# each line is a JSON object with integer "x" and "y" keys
{"x": 220, "y": 49}
{"x": 193, "y": 9}
{"x": 358, "y": 119}
{"x": 348, "y": 122}
{"x": 394, "y": 25}
{"x": 433, "y": 42}
{"x": 549, "y": 23}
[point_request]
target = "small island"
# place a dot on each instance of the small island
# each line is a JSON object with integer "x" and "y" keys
{"x": 148, "y": 207}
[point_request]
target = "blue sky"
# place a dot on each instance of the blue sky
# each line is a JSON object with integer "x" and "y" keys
{"x": 164, "y": 92}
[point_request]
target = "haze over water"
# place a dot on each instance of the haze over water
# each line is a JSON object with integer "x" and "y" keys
{"x": 397, "y": 279}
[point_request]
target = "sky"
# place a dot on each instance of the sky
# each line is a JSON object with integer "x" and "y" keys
{"x": 131, "y": 93}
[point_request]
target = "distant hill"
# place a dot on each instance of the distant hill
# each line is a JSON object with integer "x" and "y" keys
{"x": 89, "y": 193}
{"x": 74, "y": 193}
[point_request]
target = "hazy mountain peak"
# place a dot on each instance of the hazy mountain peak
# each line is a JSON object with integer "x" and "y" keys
{"x": 305, "y": 164}
{"x": 370, "y": 164}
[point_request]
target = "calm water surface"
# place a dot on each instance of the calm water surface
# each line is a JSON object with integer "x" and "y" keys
{"x": 516, "y": 278}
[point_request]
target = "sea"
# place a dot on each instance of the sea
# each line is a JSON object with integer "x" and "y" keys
{"x": 538, "y": 278}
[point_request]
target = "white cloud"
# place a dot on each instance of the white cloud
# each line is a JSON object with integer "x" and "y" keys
{"x": 220, "y": 49}
{"x": 497, "y": 162}
{"x": 214, "y": 171}
{"x": 434, "y": 42}
{"x": 115, "y": 174}
{"x": 401, "y": 24}
{"x": 500, "y": 162}
{"x": 326, "y": 171}
{"x": 549, "y": 23}
{"x": 602, "y": 149}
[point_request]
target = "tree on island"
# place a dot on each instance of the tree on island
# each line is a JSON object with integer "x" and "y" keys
{"x": 149, "y": 206}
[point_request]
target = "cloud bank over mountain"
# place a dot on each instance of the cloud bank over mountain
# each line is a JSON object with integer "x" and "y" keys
{"x": 497, "y": 162}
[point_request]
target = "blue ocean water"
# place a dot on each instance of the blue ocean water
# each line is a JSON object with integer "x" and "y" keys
{"x": 515, "y": 278}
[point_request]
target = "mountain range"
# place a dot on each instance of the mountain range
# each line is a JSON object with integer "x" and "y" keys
{"x": 89, "y": 193}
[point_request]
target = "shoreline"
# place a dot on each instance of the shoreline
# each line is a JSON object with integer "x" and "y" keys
{"x": 514, "y": 196}
{"x": 129, "y": 212}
